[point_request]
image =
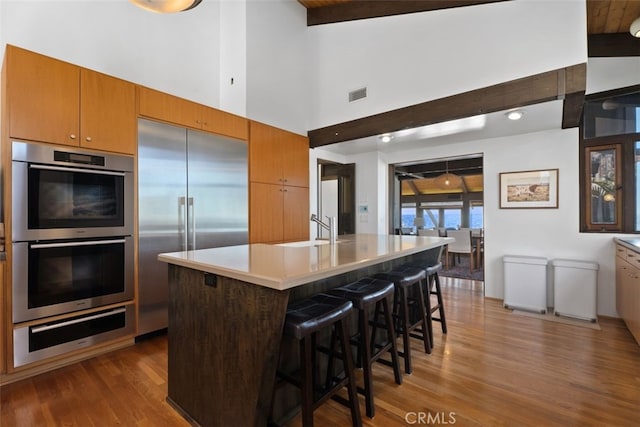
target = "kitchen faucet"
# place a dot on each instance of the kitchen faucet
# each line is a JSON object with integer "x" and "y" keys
{"x": 331, "y": 227}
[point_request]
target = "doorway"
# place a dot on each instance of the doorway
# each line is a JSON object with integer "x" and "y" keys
{"x": 442, "y": 195}
{"x": 336, "y": 195}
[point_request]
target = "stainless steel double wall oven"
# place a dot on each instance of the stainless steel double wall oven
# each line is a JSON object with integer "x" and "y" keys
{"x": 72, "y": 246}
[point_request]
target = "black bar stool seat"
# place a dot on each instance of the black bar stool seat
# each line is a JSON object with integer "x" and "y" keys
{"x": 408, "y": 279}
{"x": 367, "y": 294}
{"x": 304, "y": 319}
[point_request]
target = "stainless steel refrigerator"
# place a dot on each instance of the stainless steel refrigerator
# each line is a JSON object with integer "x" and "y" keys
{"x": 192, "y": 194}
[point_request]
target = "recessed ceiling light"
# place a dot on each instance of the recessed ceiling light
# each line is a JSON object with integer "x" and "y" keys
{"x": 387, "y": 137}
{"x": 515, "y": 115}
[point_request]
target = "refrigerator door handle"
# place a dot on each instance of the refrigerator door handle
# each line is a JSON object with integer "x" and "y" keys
{"x": 182, "y": 225}
{"x": 192, "y": 221}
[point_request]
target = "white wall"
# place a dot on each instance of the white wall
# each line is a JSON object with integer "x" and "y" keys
{"x": 233, "y": 57}
{"x": 612, "y": 73}
{"x": 262, "y": 44}
{"x": 176, "y": 53}
{"x": 551, "y": 233}
{"x": 277, "y": 64}
{"x": 408, "y": 59}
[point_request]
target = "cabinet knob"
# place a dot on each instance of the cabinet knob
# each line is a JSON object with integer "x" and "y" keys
{"x": 88, "y": 139}
{"x": 285, "y": 180}
{"x": 72, "y": 136}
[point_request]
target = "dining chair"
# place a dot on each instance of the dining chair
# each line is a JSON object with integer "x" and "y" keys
{"x": 429, "y": 232}
{"x": 461, "y": 246}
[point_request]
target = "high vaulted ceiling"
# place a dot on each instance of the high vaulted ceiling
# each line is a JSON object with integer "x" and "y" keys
{"x": 603, "y": 16}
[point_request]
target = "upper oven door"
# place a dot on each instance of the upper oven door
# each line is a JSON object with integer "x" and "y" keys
{"x": 68, "y": 194}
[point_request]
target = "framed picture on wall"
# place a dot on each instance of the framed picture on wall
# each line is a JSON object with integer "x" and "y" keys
{"x": 529, "y": 189}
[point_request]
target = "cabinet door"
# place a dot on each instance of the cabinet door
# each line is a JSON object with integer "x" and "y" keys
{"x": 265, "y": 158}
{"x": 295, "y": 152}
{"x": 265, "y": 213}
{"x": 169, "y": 108}
{"x": 296, "y": 213}
{"x": 622, "y": 277}
{"x": 2, "y": 319}
{"x": 43, "y": 98}
{"x": 224, "y": 123}
{"x": 108, "y": 113}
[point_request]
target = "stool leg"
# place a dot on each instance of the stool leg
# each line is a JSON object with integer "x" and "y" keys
{"x": 364, "y": 351}
{"x": 391, "y": 336}
{"x": 438, "y": 293}
{"x": 427, "y": 306}
{"x": 404, "y": 326}
{"x": 426, "y": 338}
{"x": 306, "y": 385}
{"x": 356, "y": 420}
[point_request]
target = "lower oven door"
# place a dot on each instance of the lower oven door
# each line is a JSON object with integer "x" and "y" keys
{"x": 59, "y": 277}
{"x": 35, "y": 343}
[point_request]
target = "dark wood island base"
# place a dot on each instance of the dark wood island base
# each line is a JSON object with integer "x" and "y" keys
{"x": 225, "y": 335}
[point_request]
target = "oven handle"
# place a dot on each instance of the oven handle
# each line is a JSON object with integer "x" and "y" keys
{"x": 69, "y": 244}
{"x": 74, "y": 321}
{"x": 91, "y": 171}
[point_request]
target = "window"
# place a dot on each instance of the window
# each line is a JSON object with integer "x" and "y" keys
{"x": 476, "y": 216}
{"x": 610, "y": 162}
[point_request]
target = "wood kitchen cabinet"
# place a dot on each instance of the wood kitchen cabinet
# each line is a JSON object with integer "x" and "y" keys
{"x": 279, "y": 191}
{"x": 628, "y": 288}
{"x": 3, "y": 331}
{"x": 168, "y": 108}
{"x": 278, "y": 213}
{"x": 277, "y": 156}
{"x": 53, "y": 101}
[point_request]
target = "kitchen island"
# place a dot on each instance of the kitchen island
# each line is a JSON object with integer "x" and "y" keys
{"x": 227, "y": 308}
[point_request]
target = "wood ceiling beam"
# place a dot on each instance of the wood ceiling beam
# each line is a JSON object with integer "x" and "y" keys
{"x": 543, "y": 87}
{"x": 612, "y": 45}
{"x": 414, "y": 188}
{"x": 363, "y": 9}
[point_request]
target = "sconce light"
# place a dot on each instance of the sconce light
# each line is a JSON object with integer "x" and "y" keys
{"x": 166, "y": 6}
{"x": 634, "y": 29}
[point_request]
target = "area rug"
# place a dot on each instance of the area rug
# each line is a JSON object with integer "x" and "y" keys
{"x": 558, "y": 319}
{"x": 461, "y": 270}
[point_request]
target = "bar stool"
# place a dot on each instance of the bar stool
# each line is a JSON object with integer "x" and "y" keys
{"x": 433, "y": 279}
{"x": 365, "y": 294}
{"x": 304, "y": 319}
{"x": 406, "y": 279}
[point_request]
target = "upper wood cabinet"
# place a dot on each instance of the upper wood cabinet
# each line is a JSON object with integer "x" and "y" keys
{"x": 277, "y": 156}
{"x": 57, "y": 102}
{"x": 162, "y": 106}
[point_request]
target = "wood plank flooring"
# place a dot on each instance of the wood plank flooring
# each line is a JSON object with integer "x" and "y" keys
{"x": 493, "y": 368}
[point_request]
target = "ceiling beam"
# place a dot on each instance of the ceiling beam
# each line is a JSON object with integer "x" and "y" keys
{"x": 363, "y": 9}
{"x": 543, "y": 87}
{"x": 612, "y": 44}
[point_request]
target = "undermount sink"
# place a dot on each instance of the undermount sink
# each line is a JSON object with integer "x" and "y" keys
{"x": 305, "y": 243}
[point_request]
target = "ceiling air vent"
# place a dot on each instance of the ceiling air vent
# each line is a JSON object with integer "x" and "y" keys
{"x": 357, "y": 94}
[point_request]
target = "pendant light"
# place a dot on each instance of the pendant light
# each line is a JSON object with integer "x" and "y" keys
{"x": 448, "y": 181}
{"x": 634, "y": 29}
{"x": 166, "y": 6}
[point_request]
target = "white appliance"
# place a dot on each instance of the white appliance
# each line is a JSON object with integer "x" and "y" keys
{"x": 525, "y": 283}
{"x": 575, "y": 288}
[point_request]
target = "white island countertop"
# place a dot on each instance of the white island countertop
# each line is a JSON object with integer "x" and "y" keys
{"x": 284, "y": 266}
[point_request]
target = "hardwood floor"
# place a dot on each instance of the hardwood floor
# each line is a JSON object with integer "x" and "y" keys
{"x": 493, "y": 368}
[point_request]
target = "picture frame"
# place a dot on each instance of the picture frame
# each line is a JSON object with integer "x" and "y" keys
{"x": 533, "y": 189}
